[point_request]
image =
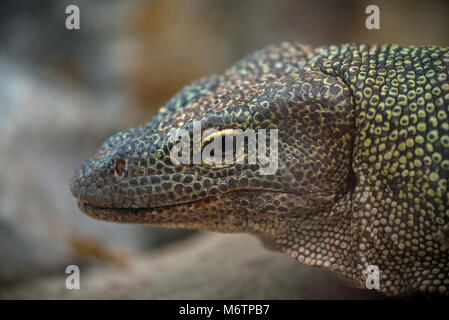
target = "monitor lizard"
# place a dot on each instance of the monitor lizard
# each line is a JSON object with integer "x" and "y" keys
{"x": 363, "y": 161}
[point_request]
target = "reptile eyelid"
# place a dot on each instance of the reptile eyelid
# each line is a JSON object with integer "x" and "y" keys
{"x": 216, "y": 134}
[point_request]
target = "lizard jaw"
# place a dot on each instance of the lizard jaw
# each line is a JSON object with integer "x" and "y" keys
{"x": 196, "y": 214}
{"x": 125, "y": 215}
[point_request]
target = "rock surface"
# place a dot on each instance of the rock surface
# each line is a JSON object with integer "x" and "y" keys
{"x": 207, "y": 266}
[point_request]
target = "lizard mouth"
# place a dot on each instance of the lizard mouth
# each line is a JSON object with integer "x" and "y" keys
{"x": 265, "y": 201}
{"x": 140, "y": 215}
{"x": 226, "y": 212}
{"x": 91, "y": 209}
{"x": 195, "y": 215}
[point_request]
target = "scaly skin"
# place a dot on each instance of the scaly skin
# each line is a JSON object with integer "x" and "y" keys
{"x": 363, "y": 162}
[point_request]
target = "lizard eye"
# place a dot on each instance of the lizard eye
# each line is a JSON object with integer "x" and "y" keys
{"x": 226, "y": 148}
{"x": 119, "y": 167}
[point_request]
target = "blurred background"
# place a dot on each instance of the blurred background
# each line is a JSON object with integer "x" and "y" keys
{"x": 62, "y": 92}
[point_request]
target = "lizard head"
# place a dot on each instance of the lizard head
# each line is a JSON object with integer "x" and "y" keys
{"x": 271, "y": 99}
{"x": 343, "y": 181}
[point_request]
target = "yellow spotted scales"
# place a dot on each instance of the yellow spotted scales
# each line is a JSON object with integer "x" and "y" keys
{"x": 363, "y": 161}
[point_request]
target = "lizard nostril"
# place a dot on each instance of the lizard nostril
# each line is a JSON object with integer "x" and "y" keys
{"x": 119, "y": 167}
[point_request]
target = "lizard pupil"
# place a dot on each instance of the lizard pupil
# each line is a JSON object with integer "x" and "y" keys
{"x": 119, "y": 167}
{"x": 227, "y": 149}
